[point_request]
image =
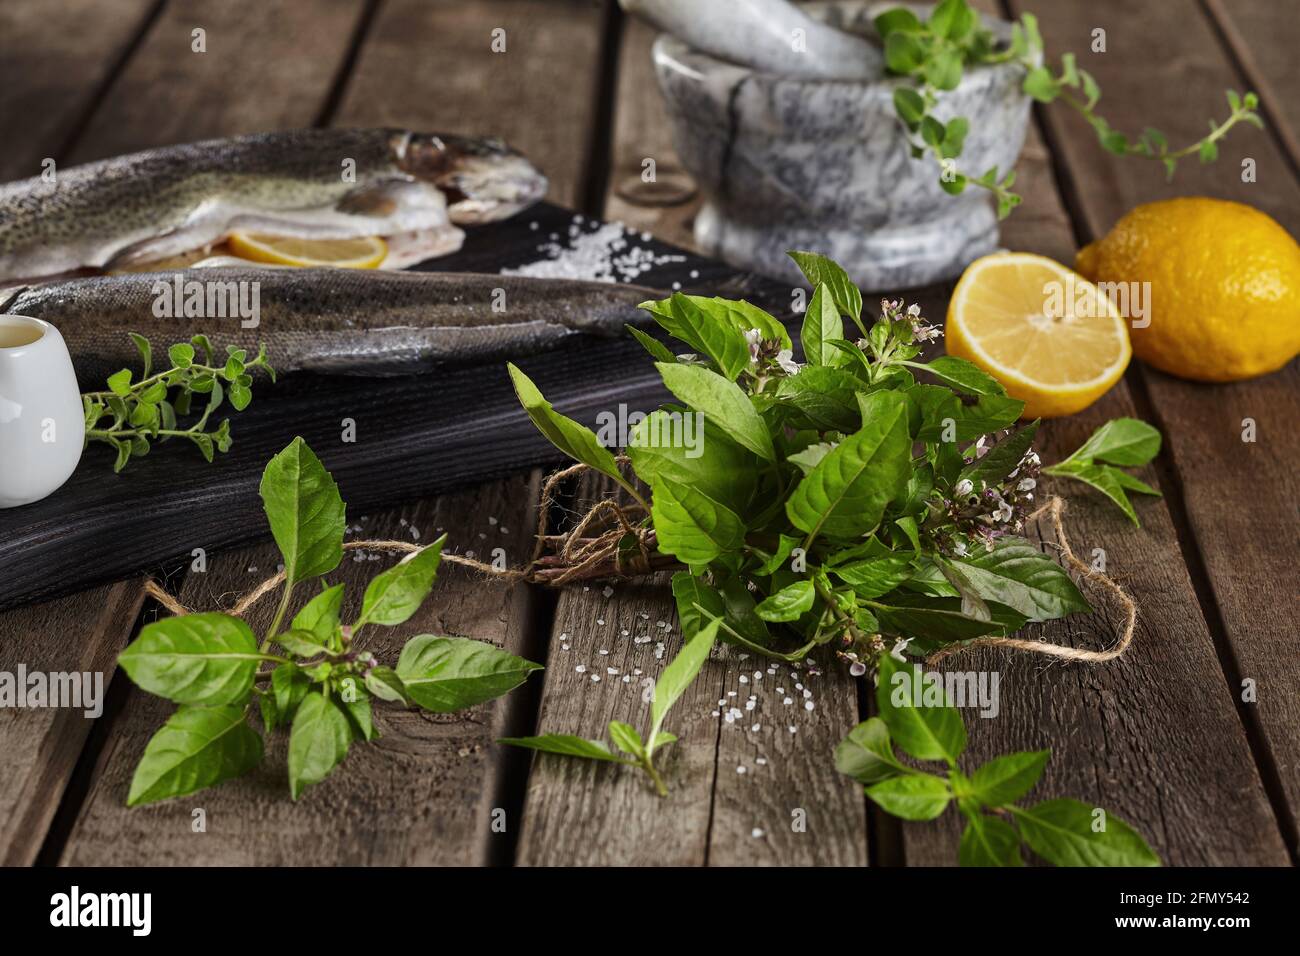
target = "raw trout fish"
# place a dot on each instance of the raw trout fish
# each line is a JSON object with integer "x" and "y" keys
{"x": 412, "y": 189}
{"x": 347, "y": 321}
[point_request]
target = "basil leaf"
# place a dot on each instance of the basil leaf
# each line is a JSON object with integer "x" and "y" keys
{"x": 393, "y": 596}
{"x": 689, "y": 591}
{"x": 1003, "y": 458}
{"x": 289, "y": 684}
{"x": 320, "y": 616}
{"x": 745, "y": 316}
{"x": 1061, "y": 832}
{"x": 867, "y": 753}
{"x": 691, "y": 526}
{"x": 1122, "y": 441}
{"x": 1101, "y": 477}
{"x": 567, "y": 745}
{"x": 821, "y": 324}
{"x": 626, "y": 738}
{"x": 714, "y": 336}
{"x": 820, "y": 270}
{"x": 1007, "y": 779}
{"x": 873, "y": 577}
{"x": 742, "y": 613}
{"x": 988, "y": 841}
{"x": 788, "y": 604}
{"x": 827, "y": 397}
{"x": 846, "y": 493}
{"x": 657, "y": 349}
{"x": 1129, "y": 483}
{"x": 443, "y": 674}
{"x": 962, "y": 375}
{"x": 715, "y": 465}
{"x": 300, "y": 643}
{"x": 575, "y": 440}
{"x": 777, "y": 559}
{"x": 1017, "y": 574}
{"x": 196, "y": 748}
{"x": 925, "y": 732}
{"x": 384, "y": 683}
{"x": 911, "y": 797}
{"x": 305, "y": 511}
{"x": 677, "y": 676}
{"x": 722, "y": 401}
{"x": 899, "y": 18}
{"x": 204, "y": 659}
{"x": 318, "y": 741}
{"x": 952, "y": 19}
{"x": 359, "y": 715}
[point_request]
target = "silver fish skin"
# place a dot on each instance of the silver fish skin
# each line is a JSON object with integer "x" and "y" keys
{"x": 343, "y": 321}
{"x": 309, "y": 183}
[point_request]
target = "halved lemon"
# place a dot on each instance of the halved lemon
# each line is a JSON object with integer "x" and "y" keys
{"x": 365, "y": 253}
{"x": 1047, "y": 334}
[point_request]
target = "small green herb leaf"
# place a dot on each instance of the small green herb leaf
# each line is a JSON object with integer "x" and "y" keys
{"x": 305, "y": 512}
{"x": 393, "y": 596}
{"x": 443, "y": 674}
{"x": 1070, "y": 833}
{"x": 789, "y": 603}
{"x": 926, "y": 731}
{"x": 318, "y": 742}
{"x": 196, "y": 748}
{"x": 911, "y": 797}
{"x": 677, "y": 676}
{"x": 1006, "y": 779}
{"x": 568, "y": 746}
{"x": 201, "y": 659}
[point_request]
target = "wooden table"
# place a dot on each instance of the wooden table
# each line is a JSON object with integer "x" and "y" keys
{"x": 1162, "y": 737}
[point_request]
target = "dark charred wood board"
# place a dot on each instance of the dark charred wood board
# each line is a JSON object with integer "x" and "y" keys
{"x": 414, "y": 436}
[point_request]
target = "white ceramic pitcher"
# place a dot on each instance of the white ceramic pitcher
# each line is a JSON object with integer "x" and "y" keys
{"x": 42, "y": 426}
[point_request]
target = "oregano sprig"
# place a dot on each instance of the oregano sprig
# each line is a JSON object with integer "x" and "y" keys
{"x": 934, "y": 54}
{"x": 150, "y": 409}
{"x": 321, "y": 682}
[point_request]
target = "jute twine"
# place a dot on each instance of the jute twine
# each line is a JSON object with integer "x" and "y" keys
{"x": 597, "y": 547}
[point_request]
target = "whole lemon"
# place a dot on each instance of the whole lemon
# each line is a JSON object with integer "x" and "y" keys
{"x": 1224, "y": 293}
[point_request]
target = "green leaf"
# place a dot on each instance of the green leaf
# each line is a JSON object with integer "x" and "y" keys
{"x": 1003, "y": 458}
{"x": 846, "y": 493}
{"x": 626, "y": 738}
{"x": 359, "y": 713}
{"x": 1129, "y": 483}
{"x": 867, "y": 753}
{"x": 1017, "y": 574}
{"x": 818, "y": 270}
{"x": 1121, "y": 441}
{"x": 943, "y": 72}
{"x": 181, "y": 355}
{"x": 677, "y": 676}
{"x": 899, "y": 18}
{"x": 826, "y": 397}
{"x": 789, "y": 603}
{"x": 1101, "y": 477}
{"x": 567, "y": 745}
{"x": 911, "y": 797}
{"x": 904, "y": 53}
{"x": 120, "y": 382}
{"x": 196, "y": 748}
{"x": 872, "y": 577}
{"x": 289, "y": 685}
{"x": 707, "y": 327}
{"x": 1208, "y": 152}
{"x": 691, "y": 526}
{"x": 320, "y": 616}
{"x": 910, "y": 107}
{"x": 665, "y": 446}
{"x": 657, "y": 349}
{"x": 1006, "y": 779}
{"x": 962, "y": 375}
{"x": 575, "y": 440}
{"x": 722, "y": 401}
{"x": 300, "y": 643}
{"x": 952, "y": 19}
{"x": 393, "y": 596}
{"x": 305, "y": 511}
{"x": 925, "y": 732}
{"x": 318, "y": 741}
{"x": 384, "y": 683}
{"x": 1041, "y": 85}
{"x": 1061, "y": 832}
{"x": 146, "y": 353}
{"x": 443, "y": 674}
{"x": 988, "y": 841}
{"x": 203, "y": 659}
{"x": 821, "y": 324}
{"x": 689, "y": 591}
{"x": 933, "y": 621}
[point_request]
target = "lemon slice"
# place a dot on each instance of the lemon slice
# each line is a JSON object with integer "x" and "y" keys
{"x": 1047, "y": 334}
{"x": 366, "y": 253}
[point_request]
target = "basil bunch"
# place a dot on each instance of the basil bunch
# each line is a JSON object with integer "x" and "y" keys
{"x": 323, "y": 683}
{"x": 855, "y": 503}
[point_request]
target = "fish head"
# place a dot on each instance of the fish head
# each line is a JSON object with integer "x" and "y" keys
{"x": 483, "y": 179}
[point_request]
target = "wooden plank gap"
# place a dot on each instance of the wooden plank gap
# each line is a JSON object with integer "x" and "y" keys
{"x": 600, "y": 151}
{"x": 102, "y": 90}
{"x": 339, "y": 85}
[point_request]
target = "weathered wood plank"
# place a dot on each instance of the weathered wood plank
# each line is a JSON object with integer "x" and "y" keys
{"x": 79, "y": 634}
{"x": 422, "y": 794}
{"x": 1166, "y": 65}
{"x": 435, "y": 61}
{"x": 1151, "y": 737}
{"x": 666, "y": 207}
{"x": 267, "y": 66}
{"x": 54, "y": 58}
